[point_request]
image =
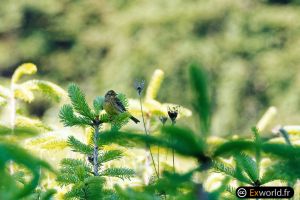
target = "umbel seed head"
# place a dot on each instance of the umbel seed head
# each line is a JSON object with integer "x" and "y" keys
{"x": 139, "y": 86}
{"x": 163, "y": 119}
{"x": 173, "y": 113}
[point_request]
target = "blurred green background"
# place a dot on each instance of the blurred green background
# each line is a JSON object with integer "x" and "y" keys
{"x": 251, "y": 48}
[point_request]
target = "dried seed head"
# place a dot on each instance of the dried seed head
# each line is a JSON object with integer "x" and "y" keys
{"x": 163, "y": 119}
{"x": 173, "y": 113}
{"x": 139, "y": 86}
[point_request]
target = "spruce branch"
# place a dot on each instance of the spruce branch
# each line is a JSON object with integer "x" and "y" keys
{"x": 248, "y": 165}
{"x": 107, "y": 156}
{"x": 119, "y": 120}
{"x": 68, "y": 117}
{"x": 98, "y": 104}
{"x": 78, "y": 146}
{"x": 79, "y": 102}
{"x": 122, "y": 173}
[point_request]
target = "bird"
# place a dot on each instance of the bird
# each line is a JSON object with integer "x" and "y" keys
{"x": 113, "y": 105}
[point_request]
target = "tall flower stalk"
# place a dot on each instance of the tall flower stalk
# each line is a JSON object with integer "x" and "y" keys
{"x": 163, "y": 120}
{"x": 12, "y": 117}
{"x": 173, "y": 113}
{"x": 139, "y": 86}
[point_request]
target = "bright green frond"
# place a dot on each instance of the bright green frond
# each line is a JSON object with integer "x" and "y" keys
{"x": 67, "y": 178}
{"x": 272, "y": 174}
{"x": 79, "y": 102}
{"x": 248, "y": 165}
{"x": 104, "y": 118}
{"x": 73, "y": 171}
{"x": 98, "y": 104}
{"x": 281, "y": 150}
{"x": 73, "y": 162}
{"x": 89, "y": 189}
{"x": 232, "y": 146}
{"x": 78, "y": 146}
{"x": 184, "y": 141}
{"x": 68, "y": 117}
{"x": 202, "y": 96}
{"x": 122, "y": 173}
{"x": 107, "y": 156}
{"x": 77, "y": 192}
{"x": 94, "y": 186}
{"x": 223, "y": 168}
{"x": 228, "y": 170}
{"x": 120, "y": 120}
{"x": 241, "y": 175}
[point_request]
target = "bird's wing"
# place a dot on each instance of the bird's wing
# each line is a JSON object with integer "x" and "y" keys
{"x": 120, "y": 105}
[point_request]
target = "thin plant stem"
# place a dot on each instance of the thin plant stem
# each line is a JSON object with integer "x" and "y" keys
{"x": 158, "y": 158}
{"x": 146, "y": 132}
{"x": 158, "y": 161}
{"x": 173, "y": 156}
{"x": 145, "y": 129}
{"x": 12, "y": 118}
{"x": 95, "y": 159}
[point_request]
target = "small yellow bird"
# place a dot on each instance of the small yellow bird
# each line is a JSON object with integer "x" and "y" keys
{"x": 113, "y": 105}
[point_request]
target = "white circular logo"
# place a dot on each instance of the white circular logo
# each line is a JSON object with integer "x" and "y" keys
{"x": 241, "y": 192}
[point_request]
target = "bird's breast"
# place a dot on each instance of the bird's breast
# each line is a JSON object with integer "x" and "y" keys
{"x": 110, "y": 108}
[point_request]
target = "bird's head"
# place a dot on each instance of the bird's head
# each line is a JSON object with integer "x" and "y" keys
{"x": 110, "y": 93}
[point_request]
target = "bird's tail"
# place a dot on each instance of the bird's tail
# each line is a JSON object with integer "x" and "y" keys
{"x": 134, "y": 119}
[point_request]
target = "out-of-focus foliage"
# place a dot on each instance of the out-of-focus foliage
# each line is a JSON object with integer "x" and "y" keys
{"x": 16, "y": 185}
{"x": 22, "y": 174}
{"x": 251, "y": 47}
{"x": 17, "y": 124}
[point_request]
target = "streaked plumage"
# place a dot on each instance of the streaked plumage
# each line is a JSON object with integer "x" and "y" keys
{"x": 113, "y": 105}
